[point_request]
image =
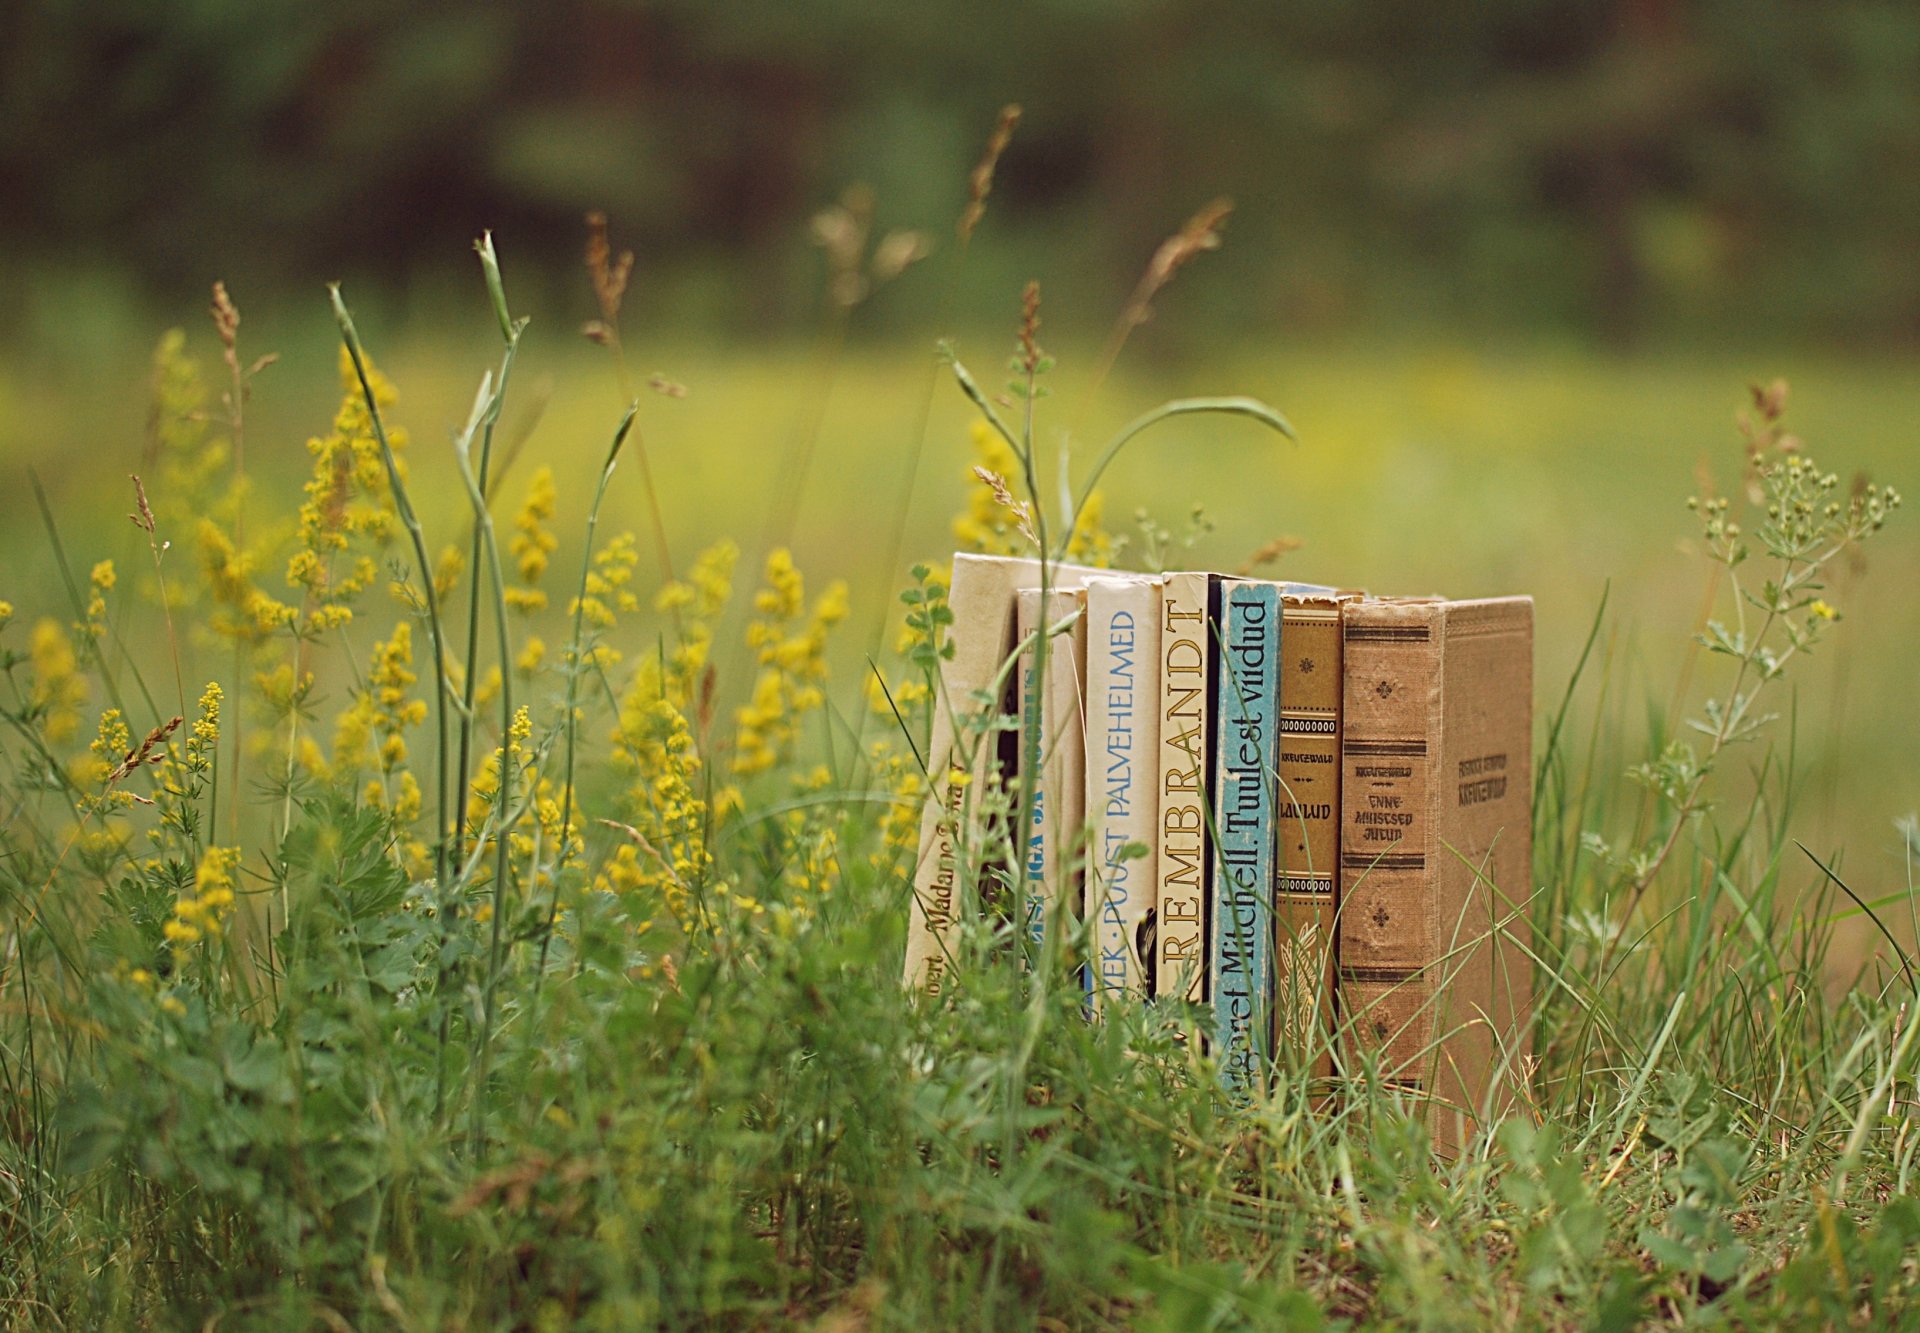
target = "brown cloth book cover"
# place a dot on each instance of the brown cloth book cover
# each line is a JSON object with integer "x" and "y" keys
{"x": 1436, "y": 853}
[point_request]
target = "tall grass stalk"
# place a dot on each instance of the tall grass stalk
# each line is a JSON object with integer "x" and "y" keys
{"x": 510, "y": 331}
{"x": 506, "y": 811}
{"x": 424, "y": 565}
{"x": 576, "y": 664}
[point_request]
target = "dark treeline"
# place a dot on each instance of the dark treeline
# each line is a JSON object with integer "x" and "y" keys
{"x": 1621, "y": 168}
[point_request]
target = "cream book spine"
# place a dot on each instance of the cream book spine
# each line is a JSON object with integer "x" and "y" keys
{"x": 1123, "y": 812}
{"x": 963, "y": 754}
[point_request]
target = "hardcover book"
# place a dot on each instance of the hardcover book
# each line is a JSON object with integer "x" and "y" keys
{"x": 963, "y": 752}
{"x": 1189, "y": 602}
{"x": 1246, "y": 754}
{"x": 1436, "y": 853}
{"x": 1123, "y": 735}
{"x": 1052, "y": 635}
{"x": 1306, "y": 884}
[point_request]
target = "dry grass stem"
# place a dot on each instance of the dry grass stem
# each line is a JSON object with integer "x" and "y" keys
{"x": 980, "y": 182}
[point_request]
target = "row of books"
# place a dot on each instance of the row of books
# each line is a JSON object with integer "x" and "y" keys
{"x": 1304, "y": 811}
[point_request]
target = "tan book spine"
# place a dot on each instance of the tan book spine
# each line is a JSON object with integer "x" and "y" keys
{"x": 1184, "y": 860}
{"x": 1053, "y": 747}
{"x": 1123, "y": 734}
{"x": 1306, "y": 897}
{"x": 1436, "y": 852}
{"x": 962, "y": 755}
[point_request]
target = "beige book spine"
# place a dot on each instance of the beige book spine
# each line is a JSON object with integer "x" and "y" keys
{"x": 1053, "y": 746}
{"x": 1436, "y": 852}
{"x": 962, "y": 755}
{"x": 1123, "y": 733}
{"x": 1184, "y": 858}
{"x": 1306, "y": 897}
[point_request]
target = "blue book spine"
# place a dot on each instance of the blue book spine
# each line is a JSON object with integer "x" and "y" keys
{"x": 1246, "y": 757}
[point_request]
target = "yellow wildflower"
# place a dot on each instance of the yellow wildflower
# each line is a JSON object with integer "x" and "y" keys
{"x": 1090, "y": 542}
{"x": 347, "y": 495}
{"x": 383, "y": 711}
{"x": 447, "y": 571}
{"x": 532, "y": 543}
{"x": 99, "y": 583}
{"x": 532, "y": 654}
{"x": 607, "y": 592}
{"x": 58, "y": 689}
{"x": 183, "y": 774}
{"x": 793, "y": 667}
{"x": 986, "y": 525}
{"x": 202, "y": 912}
{"x": 248, "y": 614}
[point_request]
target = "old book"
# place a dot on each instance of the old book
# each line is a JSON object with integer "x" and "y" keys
{"x": 1123, "y": 734}
{"x": 1305, "y": 892}
{"x": 953, "y": 842}
{"x": 1436, "y": 853}
{"x": 1183, "y": 877}
{"x": 1052, "y": 633}
{"x": 1246, "y": 754}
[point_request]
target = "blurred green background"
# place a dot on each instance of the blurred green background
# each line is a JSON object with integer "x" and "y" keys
{"x": 1619, "y": 169}
{"x": 1508, "y": 265}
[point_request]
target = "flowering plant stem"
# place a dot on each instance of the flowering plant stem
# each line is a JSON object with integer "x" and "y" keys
{"x": 575, "y": 665}
{"x": 505, "y": 812}
{"x": 411, "y": 521}
{"x": 470, "y": 678}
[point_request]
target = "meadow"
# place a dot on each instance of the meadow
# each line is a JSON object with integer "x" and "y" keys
{"x": 623, "y": 1044}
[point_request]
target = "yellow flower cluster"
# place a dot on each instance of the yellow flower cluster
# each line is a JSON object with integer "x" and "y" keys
{"x": 607, "y": 590}
{"x": 1090, "y": 542}
{"x": 539, "y": 847}
{"x": 900, "y": 820}
{"x": 988, "y": 526}
{"x": 533, "y": 543}
{"x": 202, "y": 913}
{"x": 653, "y": 743}
{"x": 669, "y": 853}
{"x": 694, "y": 603}
{"x": 985, "y": 524}
{"x": 184, "y": 773}
{"x": 379, "y": 718}
{"x": 99, "y": 583}
{"x": 58, "y": 691}
{"x": 793, "y": 667}
{"x": 110, "y": 745}
{"x": 347, "y": 495}
{"x": 247, "y": 614}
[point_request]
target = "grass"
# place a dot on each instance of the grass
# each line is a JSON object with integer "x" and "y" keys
{"x": 357, "y": 1090}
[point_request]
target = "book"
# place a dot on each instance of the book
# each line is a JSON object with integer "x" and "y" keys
{"x": 1123, "y": 735}
{"x": 1184, "y": 863}
{"x": 963, "y": 753}
{"x": 1246, "y": 755}
{"x": 1436, "y": 853}
{"x": 1053, "y": 751}
{"x": 1306, "y": 882}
